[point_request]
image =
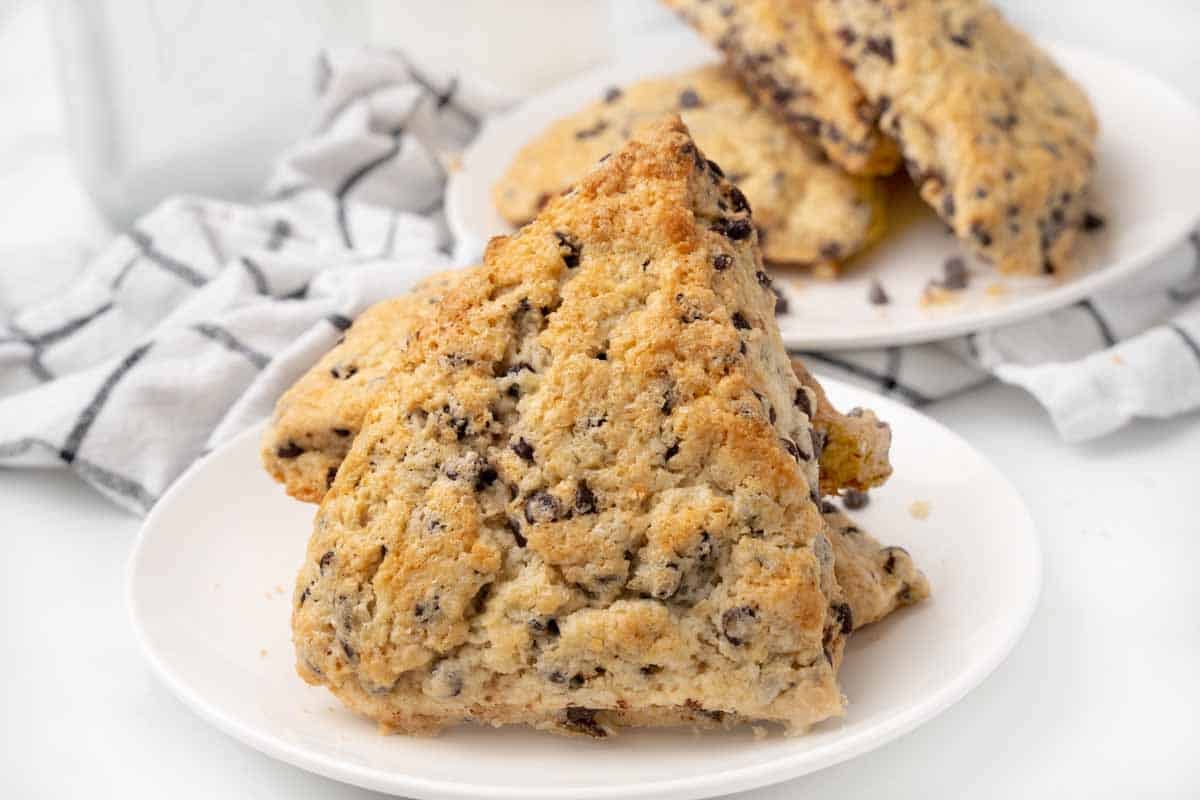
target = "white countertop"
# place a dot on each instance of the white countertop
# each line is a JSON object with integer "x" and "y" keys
{"x": 1100, "y": 698}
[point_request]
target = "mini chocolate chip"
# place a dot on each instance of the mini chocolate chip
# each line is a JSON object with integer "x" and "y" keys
{"x": 585, "y": 499}
{"x": 672, "y": 451}
{"x": 583, "y": 720}
{"x": 1093, "y": 222}
{"x": 831, "y": 250}
{"x": 737, "y": 624}
{"x": 523, "y": 449}
{"x": 515, "y": 529}
{"x": 960, "y": 39}
{"x": 426, "y": 610}
{"x": 889, "y": 566}
{"x": 342, "y": 373}
{"x": 542, "y": 507}
{"x": 348, "y": 650}
{"x": 847, "y": 35}
{"x": 802, "y": 402}
{"x": 876, "y": 294}
{"x": 763, "y": 278}
{"x": 343, "y": 432}
{"x": 289, "y": 450}
{"x": 587, "y": 133}
{"x": 326, "y": 560}
{"x": 843, "y": 615}
{"x": 853, "y": 499}
{"x": 612, "y": 94}
{"x": 556, "y": 677}
{"x": 739, "y": 321}
{"x": 571, "y": 257}
{"x": 739, "y": 200}
{"x": 735, "y": 229}
{"x": 544, "y": 625}
{"x": 520, "y": 366}
{"x": 781, "y": 302}
{"x": 330, "y": 474}
{"x": 722, "y": 261}
{"x": 689, "y": 99}
{"x": 792, "y": 449}
{"x": 487, "y": 476}
{"x": 715, "y": 168}
{"x": 818, "y": 442}
{"x": 948, "y": 205}
{"x": 650, "y": 669}
{"x": 882, "y": 47}
{"x": 827, "y": 507}
{"x": 981, "y": 234}
{"x": 955, "y": 275}
{"x": 577, "y": 680}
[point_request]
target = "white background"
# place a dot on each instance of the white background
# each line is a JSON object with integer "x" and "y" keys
{"x": 1100, "y": 699}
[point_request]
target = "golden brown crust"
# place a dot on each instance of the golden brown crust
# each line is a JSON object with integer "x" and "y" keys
{"x": 855, "y": 445}
{"x": 781, "y": 54}
{"x": 586, "y": 486}
{"x": 808, "y": 212}
{"x": 998, "y": 139}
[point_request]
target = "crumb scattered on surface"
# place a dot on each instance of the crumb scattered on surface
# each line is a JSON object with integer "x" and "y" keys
{"x": 262, "y": 653}
{"x": 937, "y": 296}
{"x": 1116, "y": 359}
{"x": 825, "y": 271}
{"x": 996, "y": 289}
{"x": 920, "y": 509}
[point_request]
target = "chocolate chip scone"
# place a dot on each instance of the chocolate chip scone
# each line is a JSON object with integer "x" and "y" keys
{"x": 853, "y": 447}
{"x": 876, "y": 579}
{"x": 316, "y": 420}
{"x": 586, "y": 496}
{"x": 807, "y": 211}
{"x": 998, "y": 139}
{"x": 780, "y": 52}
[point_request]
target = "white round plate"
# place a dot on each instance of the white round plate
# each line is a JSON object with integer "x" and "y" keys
{"x": 1147, "y": 186}
{"x": 210, "y": 594}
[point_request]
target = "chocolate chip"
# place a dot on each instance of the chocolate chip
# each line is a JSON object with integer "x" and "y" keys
{"x": 650, "y": 669}
{"x": 587, "y": 133}
{"x": 853, "y": 499}
{"x": 722, "y": 261}
{"x": 583, "y": 720}
{"x": 427, "y": 609}
{"x": 735, "y": 229}
{"x": 348, "y": 650}
{"x": 793, "y": 449}
{"x": 715, "y": 169}
{"x": 843, "y": 615}
{"x": 514, "y": 528}
{"x": 577, "y": 681}
{"x": 548, "y": 625}
{"x": 847, "y": 35}
{"x": 523, "y": 449}
{"x": 781, "y": 302}
{"x": 738, "y": 199}
{"x": 303, "y": 596}
{"x": 818, "y": 442}
{"x": 955, "y": 275}
{"x": 805, "y": 123}
{"x": 289, "y": 450}
{"x": 342, "y": 373}
{"x": 330, "y": 474}
{"x": 542, "y": 507}
{"x": 960, "y": 39}
{"x": 831, "y": 250}
{"x": 585, "y": 499}
{"x": 981, "y": 234}
{"x": 882, "y": 47}
{"x": 520, "y": 366}
{"x": 763, "y": 279}
{"x": 827, "y": 507}
{"x": 889, "y": 566}
{"x": 343, "y": 432}
{"x": 602, "y": 356}
{"x": 1093, "y": 222}
{"x": 612, "y": 94}
{"x": 876, "y": 294}
{"x": 738, "y": 623}
{"x": 739, "y": 321}
{"x": 689, "y": 99}
{"x": 672, "y": 451}
{"x": 326, "y": 560}
{"x": 802, "y": 402}
{"x": 948, "y": 205}
{"x": 571, "y": 257}
{"x": 486, "y": 477}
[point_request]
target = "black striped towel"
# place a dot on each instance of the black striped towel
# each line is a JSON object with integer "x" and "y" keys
{"x": 185, "y": 330}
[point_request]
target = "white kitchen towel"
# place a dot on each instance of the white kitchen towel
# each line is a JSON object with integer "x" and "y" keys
{"x": 185, "y": 330}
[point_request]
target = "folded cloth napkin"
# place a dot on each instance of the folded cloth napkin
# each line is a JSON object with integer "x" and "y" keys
{"x": 185, "y": 330}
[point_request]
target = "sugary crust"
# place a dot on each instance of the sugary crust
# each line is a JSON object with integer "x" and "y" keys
{"x": 808, "y": 212}
{"x": 998, "y": 139}
{"x": 586, "y": 487}
{"x": 780, "y": 52}
{"x": 854, "y": 446}
{"x": 316, "y": 420}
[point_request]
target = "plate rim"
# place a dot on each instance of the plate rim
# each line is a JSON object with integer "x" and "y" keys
{"x": 941, "y": 329}
{"x": 709, "y": 784}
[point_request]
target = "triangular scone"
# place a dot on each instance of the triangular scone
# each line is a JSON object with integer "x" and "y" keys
{"x": 316, "y": 420}
{"x": 587, "y": 497}
{"x": 876, "y": 579}
{"x": 781, "y": 53}
{"x": 999, "y": 140}
{"x": 808, "y": 212}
